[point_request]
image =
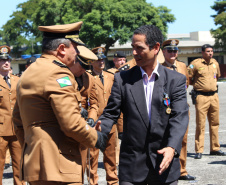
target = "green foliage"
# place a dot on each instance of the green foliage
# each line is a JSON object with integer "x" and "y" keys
{"x": 220, "y": 19}
{"x": 104, "y": 21}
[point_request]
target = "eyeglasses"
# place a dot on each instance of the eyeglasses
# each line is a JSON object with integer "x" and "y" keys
{"x": 172, "y": 51}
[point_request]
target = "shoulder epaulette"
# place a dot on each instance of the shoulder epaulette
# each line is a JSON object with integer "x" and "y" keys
{"x": 124, "y": 68}
{"x": 59, "y": 64}
{"x": 180, "y": 61}
{"x": 109, "y": 72}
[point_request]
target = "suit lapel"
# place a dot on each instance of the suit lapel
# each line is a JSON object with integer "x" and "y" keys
{"x": 4, "y": 84}
{"x": 137, "y": 90}
{"x": 157, "y": 97}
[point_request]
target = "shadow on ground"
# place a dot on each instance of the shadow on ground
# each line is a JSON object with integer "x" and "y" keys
{"x": 7, "y": 175}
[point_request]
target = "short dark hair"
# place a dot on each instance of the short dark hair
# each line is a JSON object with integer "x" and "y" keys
{"x": 152, "y": 33}
{"x": 206, "y": 46}
{"x": 50, "y": 44}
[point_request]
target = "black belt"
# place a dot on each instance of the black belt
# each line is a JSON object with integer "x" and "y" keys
{"x": 211, "y": 93}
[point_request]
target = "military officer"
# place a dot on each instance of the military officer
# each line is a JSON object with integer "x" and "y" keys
{"x": 104, "y": 81}
{"x": 131, "y": 63}
{"x": 170, "y": 52}
{"x": 8, "y": 137}
{"x": 119, "y": 60}
{"x": 87, "y": 88}
{"x": 204, "y": 73}
{"x": 47, "y": 115}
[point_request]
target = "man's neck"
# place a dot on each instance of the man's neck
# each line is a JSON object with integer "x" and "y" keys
{"x": 4, "y": 73}
{"x": 150, "y": 68}
{"x": 97, "y": 72}
{"x": 171, "y": 63}
{"x": 207, "y": 60}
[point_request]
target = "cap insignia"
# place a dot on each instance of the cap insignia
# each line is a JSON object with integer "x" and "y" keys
{"x": 99, "y": 51}
{"x": 4, "y": 50}
{"x": 173, "y": 43}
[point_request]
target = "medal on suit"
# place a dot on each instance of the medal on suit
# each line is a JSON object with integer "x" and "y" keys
{"x": 167, "y": 103}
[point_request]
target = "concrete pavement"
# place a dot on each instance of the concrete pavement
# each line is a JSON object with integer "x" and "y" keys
{"x": 210, "y": 170}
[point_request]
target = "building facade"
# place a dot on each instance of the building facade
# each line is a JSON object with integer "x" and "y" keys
{"x": 189, "y": 49}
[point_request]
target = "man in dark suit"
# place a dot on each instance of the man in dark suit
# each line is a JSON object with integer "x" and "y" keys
{"x": 153, "y": 101}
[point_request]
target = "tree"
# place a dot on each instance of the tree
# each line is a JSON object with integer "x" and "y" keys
{"x": 220, "y": 19}
{"x": 105, "y": 21}
{"x": 19, "y": 29}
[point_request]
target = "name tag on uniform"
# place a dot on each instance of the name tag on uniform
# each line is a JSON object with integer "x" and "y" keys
{"x": 201, "y": 68}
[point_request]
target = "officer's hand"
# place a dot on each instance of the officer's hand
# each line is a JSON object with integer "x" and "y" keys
{"x": 90, "y": 122}
{"x": 120, "y": 134}
{"x": 84, "y": 113}
{"x": 101, "y": 141}
{"x": 168, "y": 154}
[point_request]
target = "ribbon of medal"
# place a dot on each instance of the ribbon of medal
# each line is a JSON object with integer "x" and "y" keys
{"x": 167, "y": 103}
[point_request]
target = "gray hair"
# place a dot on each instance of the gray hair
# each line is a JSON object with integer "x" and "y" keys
{"x": 51, "y": 44}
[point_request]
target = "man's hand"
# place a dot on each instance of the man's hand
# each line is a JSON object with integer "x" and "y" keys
{"x": 84, "y": 113}
{"x": 97, "y": 126}
{"x": 90, "y": 122}
{"x": 168, "y": 154}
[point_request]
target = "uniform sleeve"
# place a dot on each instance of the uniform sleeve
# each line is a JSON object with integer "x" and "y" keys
{"x": 93, "y": 103}
{"x": 18, "y": 124}
{"x": 60, "y": 91}
{"x": 218, "y": 71}
{"x": 187, "y": 77}
{"x": 191, "y": 72}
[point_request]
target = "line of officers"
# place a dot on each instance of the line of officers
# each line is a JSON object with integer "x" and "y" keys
{"x": 60, "y": 96}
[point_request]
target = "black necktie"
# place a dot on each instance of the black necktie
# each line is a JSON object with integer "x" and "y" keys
{"x": 174, "y": 67}
{"x": 7, "y": 81}
{"x": 101, "y": 78}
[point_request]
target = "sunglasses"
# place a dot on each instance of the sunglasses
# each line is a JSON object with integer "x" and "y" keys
{"x": 172, "y": 51}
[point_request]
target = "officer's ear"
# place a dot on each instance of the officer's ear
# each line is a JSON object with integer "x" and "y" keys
{"x": 61, "y": 49}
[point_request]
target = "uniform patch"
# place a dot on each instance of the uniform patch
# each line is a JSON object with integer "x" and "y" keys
{"x": 191, "y": 66}
{"x": 214, "y": 66}
{"x": 65, "y": 81}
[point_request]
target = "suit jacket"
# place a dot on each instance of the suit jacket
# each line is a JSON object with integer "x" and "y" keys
{"x": 7, "y": 102}
{"x": 141, "y": 137}
{"x": 48, "y": 123}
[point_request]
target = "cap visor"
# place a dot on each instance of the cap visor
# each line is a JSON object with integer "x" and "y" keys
{"x": 86, "y": 53}
{"x": 77, "y": 41}
{"x": 171, "y": 48}
{"x": 84, "y": 66}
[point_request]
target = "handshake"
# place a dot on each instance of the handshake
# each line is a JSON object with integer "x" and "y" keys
{"x": 102, "y": 138}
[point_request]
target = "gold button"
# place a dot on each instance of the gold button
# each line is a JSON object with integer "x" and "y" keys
{"x": 105, "y": 99}
{"x": 104, "y": 92}
{"x": 10, "y": 93}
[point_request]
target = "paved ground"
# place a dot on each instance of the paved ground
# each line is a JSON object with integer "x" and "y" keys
{"x": 209, "y": 170}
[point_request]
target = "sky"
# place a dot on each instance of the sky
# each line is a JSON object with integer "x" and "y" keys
{"x": 191, "y": 15}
